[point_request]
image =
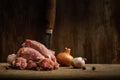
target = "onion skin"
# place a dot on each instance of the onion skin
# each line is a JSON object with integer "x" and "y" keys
{"x": 64, "y": 58}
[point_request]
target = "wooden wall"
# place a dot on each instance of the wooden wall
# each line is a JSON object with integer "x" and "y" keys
{"x": 89, "y": 27}
{"x": 20, "y": 19}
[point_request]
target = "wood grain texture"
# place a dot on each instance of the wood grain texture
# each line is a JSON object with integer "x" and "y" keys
{"x": 50, "y": 13}
{"x": 89, "y": 28}
{"x": 102, "y": 72}
{"x": 20, "y": 20}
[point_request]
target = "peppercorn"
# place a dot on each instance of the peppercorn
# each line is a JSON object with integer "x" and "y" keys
{"x": 93, "y": 68}
{"x": 84, "y": 68}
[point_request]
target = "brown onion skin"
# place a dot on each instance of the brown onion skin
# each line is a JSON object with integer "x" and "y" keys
{"x": 64, "y": 58}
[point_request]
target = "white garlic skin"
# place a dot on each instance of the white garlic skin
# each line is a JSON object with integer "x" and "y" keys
{"x": 78, "y": 62}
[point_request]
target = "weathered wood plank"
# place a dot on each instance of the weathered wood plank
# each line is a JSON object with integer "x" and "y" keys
{"x": 103, "y": 71}
{"x": 19, "y": 20}
{"x": 89, "y": 28}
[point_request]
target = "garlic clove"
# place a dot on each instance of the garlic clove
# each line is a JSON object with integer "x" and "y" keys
{"x": 78, "y": 62}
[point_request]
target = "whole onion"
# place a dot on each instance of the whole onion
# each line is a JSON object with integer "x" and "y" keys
{"x": 64, "y": 58}
{"x": 78, "y": 62}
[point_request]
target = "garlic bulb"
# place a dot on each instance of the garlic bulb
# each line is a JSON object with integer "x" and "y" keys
{"x": 78, "y": 62}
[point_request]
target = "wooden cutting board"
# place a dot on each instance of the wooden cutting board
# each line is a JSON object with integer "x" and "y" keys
{"x": 102, "y": 71}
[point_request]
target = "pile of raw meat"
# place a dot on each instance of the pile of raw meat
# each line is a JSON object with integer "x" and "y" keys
{"x": 33, "y": 55}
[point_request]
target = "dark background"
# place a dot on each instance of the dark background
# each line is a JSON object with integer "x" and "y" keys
{"x": 89, "y": 27}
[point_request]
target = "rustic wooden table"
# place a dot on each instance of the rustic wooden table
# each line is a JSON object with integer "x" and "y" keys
{"x": 103, "y": 71}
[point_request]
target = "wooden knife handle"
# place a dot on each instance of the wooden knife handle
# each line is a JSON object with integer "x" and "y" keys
{"x": 50, "y": 13}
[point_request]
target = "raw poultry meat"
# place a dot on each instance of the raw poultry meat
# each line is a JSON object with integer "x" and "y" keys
{"x": 31, "y": 64}
{"x": 20, "y": 63}
{"x": 38, "y": 46}
{"x": 11, "y": 58}
{"x": 17, "y": 62}
{"x": 30, "y": 54}
{"x": 46, "y": 64}
{"x": 42, "y": 49}
{"x": 33, "y": 55}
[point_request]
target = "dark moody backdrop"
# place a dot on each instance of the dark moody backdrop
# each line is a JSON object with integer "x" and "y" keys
{"x": 89, "y": 27}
